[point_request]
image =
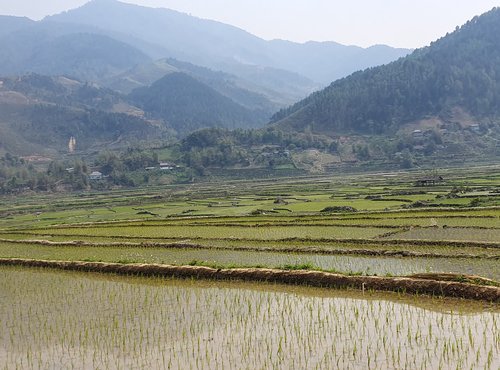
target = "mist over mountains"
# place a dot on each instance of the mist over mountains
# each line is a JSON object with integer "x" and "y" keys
{"x": 180, "y": 71}
{"x": 111, "y": 73}
{"x": 223, "y": 47}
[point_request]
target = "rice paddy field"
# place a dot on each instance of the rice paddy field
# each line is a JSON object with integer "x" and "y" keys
{"x": 354, "y": 225}
{"x": 56, "y": 319}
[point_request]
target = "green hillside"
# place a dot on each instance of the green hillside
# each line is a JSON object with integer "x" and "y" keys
{"x": 454, "y": 81}
{"x": 250, "y": 96}
{"x": 187, "y": 104}
{"x": 39, "y": 114}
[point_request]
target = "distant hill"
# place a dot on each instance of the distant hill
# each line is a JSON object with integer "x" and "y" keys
{"x": 10, "y": 24}
{"x": 453, "y": 83}
{"x": 64, "y": 91}
{"x": 239, "y": 90}
{"x": 220, "y": 46}
{"x": 328, "y": 61}
{"x": 188, "y": 104}
{"x": 39, "y": 114}
{"x": 235, "y": 88}
{"x": 141, "y": 75}
{"x": 114, "y": 44}
{"x": 279, "y": 85}
{"x": 57, "y": 49}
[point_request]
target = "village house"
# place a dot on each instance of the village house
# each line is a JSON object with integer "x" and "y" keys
{"x": 429, "y": 181}
{"x": 417, "y": 134}
{"x": 166, "y": 166}
{"x": 95, "y": 175}
{"x": 475, "y": 128}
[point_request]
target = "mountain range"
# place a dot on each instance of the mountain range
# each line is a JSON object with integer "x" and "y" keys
{"x": 158, "y": 66}
{"x": 111, "y": 73}
{"x": 105, "y": 38}
{"x": 167, "y": 33}
{"x": 438, "y": 106}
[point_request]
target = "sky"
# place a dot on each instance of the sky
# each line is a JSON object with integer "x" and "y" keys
{"x": 398, "y": 23}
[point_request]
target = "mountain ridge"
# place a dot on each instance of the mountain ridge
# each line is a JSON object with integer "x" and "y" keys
{"x": 56, "y": 49}
{"x": 10, "y": 24}
{"x": 216, "y": 44}
{"x": 104, "y": 40}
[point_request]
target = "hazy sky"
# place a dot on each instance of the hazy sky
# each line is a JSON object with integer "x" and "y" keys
{"x": 401, "y": 23}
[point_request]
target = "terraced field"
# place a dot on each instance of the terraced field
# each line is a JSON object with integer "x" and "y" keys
{"x": 356, "y": 237}
{"x": 381, "y": 225}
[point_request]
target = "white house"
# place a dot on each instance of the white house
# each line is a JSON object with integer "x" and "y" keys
{"x": 96, "y": 175}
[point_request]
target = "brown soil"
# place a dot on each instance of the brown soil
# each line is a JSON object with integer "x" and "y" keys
{"x": 410, "y": 285}
{"x": 472, "y": 279}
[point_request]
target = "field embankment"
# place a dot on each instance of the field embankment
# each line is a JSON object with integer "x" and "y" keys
{"x": 410, "y": 285}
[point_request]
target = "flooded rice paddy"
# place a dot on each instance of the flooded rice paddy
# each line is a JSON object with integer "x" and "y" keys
{"x": 367, "y": 265}
{"x": 52, "y": 319}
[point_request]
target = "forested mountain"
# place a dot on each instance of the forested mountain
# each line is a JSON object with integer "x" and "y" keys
{"x": 39, "y": 114}
{"x": 220, "y": 46}
{"x": 57, "y": 49}
{"x": 114, "y": 44}
{"x": 187, "y": 104}
{"x": 237, "y": 89}
{"x": 456, "y": 80}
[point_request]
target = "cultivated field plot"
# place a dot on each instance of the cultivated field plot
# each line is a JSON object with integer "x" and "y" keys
{"x": 227, "y": 258}
{"x": 454, "y": 234}
{"x": 377, "y": 224}
{"x": 60, "y": 319}
{"x": 270, "y": 232}
{"x": 364, "y": 224}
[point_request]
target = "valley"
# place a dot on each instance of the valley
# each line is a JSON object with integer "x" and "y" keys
{"x": 176, "y": 192}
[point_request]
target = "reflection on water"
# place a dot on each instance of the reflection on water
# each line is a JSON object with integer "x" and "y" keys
{"x": 60, "y": 319}
{"x": 489, "y": 268}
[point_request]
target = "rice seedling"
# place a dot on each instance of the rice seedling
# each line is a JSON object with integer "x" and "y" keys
{"x": 452, "y": 234}
{"x": 367, "y": 265}
{"x": 52, "y": 319}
